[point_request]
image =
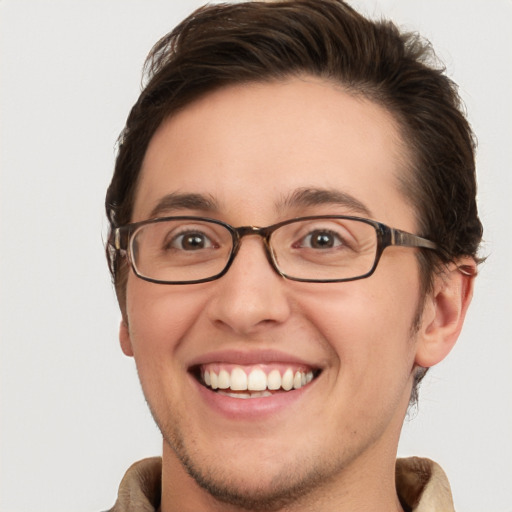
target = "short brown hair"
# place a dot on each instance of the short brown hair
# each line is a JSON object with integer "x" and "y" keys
{"x": 221, "y": 45}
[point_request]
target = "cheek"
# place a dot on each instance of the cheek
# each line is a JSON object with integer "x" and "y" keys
{"x": 159, "y": 317}
{"x": 368, "y": 325}
{"x": 158, "y": 320}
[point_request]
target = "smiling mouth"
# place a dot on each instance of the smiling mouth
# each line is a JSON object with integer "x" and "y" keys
{"x": 255, "y": 381}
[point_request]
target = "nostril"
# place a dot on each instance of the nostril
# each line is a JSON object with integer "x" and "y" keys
{"x": 249, "y": 298}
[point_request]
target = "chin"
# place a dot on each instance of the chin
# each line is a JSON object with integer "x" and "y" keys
{"x": 257, "y": 486}
{"x": 251, "y": 474}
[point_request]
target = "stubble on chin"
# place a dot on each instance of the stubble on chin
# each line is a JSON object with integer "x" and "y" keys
{"x": 291, "y": 487}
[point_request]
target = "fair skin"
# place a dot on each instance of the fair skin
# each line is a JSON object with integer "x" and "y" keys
{"x": 330, "y": 445}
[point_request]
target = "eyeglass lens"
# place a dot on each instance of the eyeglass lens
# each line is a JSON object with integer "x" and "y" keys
{"x": 316, "y": 249}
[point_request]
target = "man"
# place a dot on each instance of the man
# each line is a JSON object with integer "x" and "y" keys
{"x": 293, "y": 242}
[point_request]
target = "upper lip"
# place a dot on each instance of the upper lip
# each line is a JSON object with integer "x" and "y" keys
{"x": 251, "y": 357}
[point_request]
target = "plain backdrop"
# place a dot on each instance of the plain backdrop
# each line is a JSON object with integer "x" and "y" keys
{"x": 72, "y": 414}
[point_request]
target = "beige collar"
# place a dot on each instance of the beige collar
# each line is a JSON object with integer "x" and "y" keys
{"x": 421, "y": 485}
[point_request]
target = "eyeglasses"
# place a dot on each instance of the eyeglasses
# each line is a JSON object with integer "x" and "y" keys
{"x": 319, "y": 249}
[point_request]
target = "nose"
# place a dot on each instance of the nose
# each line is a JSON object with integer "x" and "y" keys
{"x": 251, "y": 296}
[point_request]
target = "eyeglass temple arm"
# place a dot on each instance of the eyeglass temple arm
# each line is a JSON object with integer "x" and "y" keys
{"x": 403, "y": 238}
{"x": 118, "y": 240}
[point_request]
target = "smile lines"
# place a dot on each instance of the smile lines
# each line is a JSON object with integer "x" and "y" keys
{"x": 256, "y": 381}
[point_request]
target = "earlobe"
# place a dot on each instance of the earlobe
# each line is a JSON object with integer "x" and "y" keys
{"x": 444, "y": 312}
{"x": 125, "y": 339}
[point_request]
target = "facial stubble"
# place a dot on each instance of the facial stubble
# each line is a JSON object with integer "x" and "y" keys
{"x": 295, "y": 484}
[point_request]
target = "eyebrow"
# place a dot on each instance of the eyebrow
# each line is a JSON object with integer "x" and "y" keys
{"x": 306, "y": 197}
{"x": 175, "y": 201}
{"x": 299, "y": 198}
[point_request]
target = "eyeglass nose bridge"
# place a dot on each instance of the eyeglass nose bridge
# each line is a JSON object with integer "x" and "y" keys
{"x": 262, "y": 232}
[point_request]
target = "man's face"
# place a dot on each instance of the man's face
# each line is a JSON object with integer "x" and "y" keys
{"x": 247, "y": 150}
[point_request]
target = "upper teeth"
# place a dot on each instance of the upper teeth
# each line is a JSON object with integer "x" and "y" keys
{"x": 256, "y": 379}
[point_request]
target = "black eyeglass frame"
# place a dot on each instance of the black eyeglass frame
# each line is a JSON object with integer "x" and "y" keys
{"x": 386, "y": 237}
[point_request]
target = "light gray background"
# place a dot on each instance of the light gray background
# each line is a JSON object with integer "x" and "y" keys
{"x": 72, "y": 414}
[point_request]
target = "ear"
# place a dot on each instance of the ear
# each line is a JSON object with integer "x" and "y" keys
{"x": 444, "y": 312}
{"x": 125, "y": 339}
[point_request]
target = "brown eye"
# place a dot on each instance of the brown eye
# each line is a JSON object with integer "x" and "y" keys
{"x": 321, "y": 239}
{"x": 191, "y": 241}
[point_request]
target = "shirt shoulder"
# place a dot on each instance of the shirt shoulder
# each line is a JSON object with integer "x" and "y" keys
{"x": 140, "y": 488}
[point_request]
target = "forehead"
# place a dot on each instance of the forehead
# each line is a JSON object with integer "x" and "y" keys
{"x": 248, "y": 148}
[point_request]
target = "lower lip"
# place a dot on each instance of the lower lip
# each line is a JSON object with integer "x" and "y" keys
{"x": 251, "y": 408}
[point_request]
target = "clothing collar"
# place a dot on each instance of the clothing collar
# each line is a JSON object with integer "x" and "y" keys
{"x": 421, "y": 485}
